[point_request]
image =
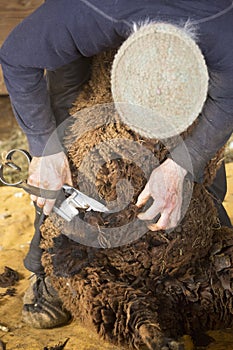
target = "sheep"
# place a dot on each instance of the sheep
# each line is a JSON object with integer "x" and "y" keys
{"x": 134, "y": 286}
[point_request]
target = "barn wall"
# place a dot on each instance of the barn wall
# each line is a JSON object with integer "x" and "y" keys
{"x": 12, "y": 12}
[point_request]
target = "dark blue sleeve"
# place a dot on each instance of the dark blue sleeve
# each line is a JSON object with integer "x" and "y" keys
{"x": 39, "y": 42}
{"x": 214, "y": 125}
{"x": 31, "y": 106}
{"x": 51, "y": 37}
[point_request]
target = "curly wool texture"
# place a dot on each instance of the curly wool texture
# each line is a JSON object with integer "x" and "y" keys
{"x": 131, "y": 293}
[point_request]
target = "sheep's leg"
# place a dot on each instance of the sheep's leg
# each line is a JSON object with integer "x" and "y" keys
{"x": 118, "y": 312}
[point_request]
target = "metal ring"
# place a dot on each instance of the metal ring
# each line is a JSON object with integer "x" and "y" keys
{"x": 11, "y": 164}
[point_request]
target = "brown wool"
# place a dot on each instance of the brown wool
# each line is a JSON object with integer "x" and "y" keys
{"x": 141, "y": 292}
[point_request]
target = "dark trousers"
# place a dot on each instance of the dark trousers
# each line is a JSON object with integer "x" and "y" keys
{"x": 32, "y": 261}
{"x": 63, "y": 85}
{"x": 219, "y": 189}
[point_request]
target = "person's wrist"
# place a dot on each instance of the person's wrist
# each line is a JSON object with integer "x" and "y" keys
{"x": 171, "y": 163}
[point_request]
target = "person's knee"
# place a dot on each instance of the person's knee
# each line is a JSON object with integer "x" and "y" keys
{"x": 69, "y": 77}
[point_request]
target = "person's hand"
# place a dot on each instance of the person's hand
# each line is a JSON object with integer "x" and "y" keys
{"x": 165, "y": 186}
{"x": 49, "y": 172}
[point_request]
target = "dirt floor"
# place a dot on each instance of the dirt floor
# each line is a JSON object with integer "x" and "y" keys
{"x": 16, "y": 229}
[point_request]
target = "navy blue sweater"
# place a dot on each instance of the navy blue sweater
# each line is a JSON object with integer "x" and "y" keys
{"x": 61, "y": 31}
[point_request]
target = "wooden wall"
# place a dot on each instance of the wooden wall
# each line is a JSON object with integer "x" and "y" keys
{"x": 13, "y": 12}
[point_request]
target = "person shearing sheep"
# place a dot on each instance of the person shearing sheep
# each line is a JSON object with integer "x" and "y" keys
{"x": 47, "y": 58}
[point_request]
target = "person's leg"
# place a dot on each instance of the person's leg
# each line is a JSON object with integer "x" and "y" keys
{"x": 42, "y": 306}
{"x": 218, "y": 189}
{"x": 32, "y": 261}
{"x": 64, "y": 84}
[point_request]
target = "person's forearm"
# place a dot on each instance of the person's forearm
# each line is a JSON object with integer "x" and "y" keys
{"x": 199, "y": 148}
{"x": 31, "y": 106}
{"x": 212, "y": 131}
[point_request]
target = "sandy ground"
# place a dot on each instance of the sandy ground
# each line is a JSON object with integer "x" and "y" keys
{"x": 16, "y": 229}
